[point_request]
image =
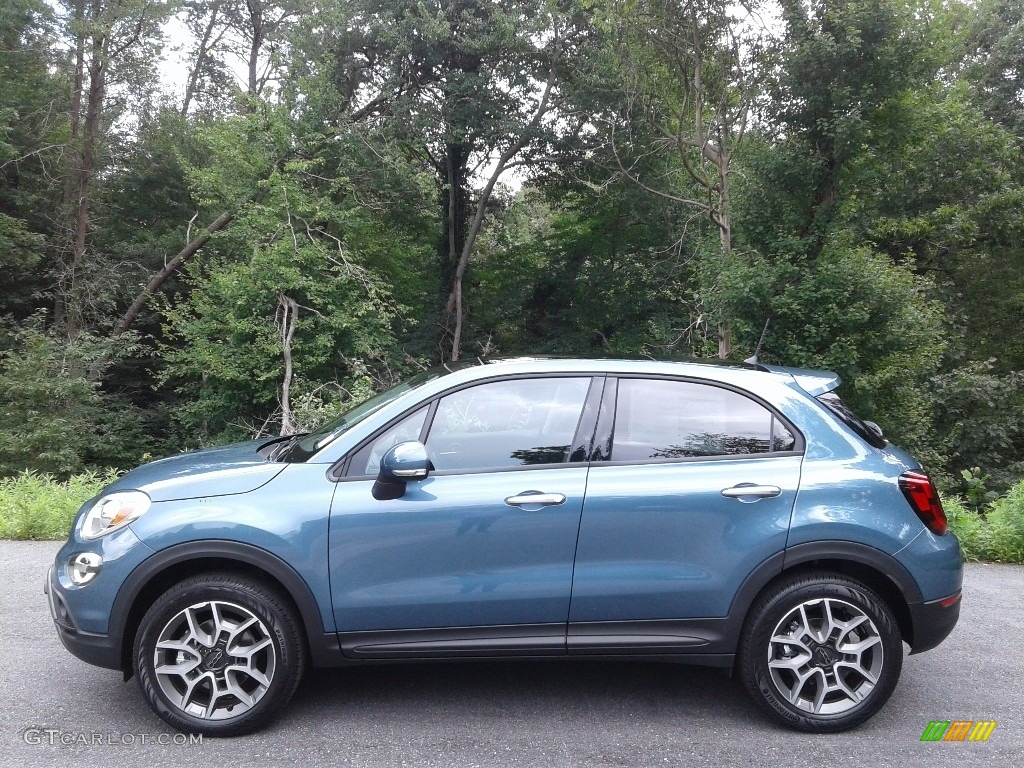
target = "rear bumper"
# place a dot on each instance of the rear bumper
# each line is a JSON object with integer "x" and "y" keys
{"x": 933, "y": 621}
{"x": 99, "y": 650}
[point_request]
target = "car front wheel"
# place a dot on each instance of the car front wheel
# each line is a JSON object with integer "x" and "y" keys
{"x": 821, "y": 652}
{"x": 218, "y": 654}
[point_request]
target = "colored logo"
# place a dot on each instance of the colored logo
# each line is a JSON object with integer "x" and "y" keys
{"x": 958, "y": 730}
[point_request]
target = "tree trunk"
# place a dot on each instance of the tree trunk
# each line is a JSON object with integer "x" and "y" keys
{"x": 90, "y": 138}
{"x": 286, "y": 319}
{"x": 454, "y": 304}
{"x": 193, "y": 80}
{"x": 722, "y": 160}
{"x": 256, "y": 17}
{"x": 73, "y": 166}
{"x": 454, "y": 196}
{"x": 169, "y": 269}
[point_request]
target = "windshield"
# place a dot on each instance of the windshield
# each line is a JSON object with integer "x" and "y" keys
{"x": 307, "y": 445}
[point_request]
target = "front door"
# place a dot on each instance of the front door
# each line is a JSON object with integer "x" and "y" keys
{"x": 478, "y": 557}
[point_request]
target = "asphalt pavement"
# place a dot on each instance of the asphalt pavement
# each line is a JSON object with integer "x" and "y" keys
{"x": 60, "y": 711}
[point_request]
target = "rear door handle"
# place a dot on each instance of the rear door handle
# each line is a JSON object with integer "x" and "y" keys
{"x": 751, "y": 491}
{"x": 528, "y": 498}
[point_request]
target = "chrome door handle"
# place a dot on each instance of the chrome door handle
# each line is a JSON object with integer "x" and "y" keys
{"x": 746, "y": 490}
{"x": 535, "y": 497}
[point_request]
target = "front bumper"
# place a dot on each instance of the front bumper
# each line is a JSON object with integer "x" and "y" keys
{"x": 933, "y": 621}
{"x": 100, "y": 650}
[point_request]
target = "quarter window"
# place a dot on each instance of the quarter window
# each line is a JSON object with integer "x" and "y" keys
{"x": 659, "y": 419}
{"x": 366, "y": 461}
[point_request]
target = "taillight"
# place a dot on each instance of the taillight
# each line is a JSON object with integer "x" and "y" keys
{"x": 920, "y": 492}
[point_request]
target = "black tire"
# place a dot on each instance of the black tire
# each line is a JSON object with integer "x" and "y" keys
{"x": 224, "y": 643}
{"x": 816, "y": 682}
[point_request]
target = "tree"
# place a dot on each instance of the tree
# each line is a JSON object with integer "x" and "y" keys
{"x": 993, "y": 64}
{"x": 111, "y": 39}
{"x": 228, "y": 35}
{"x": 689, "y": 76}
{"x": 475, "y": 86}
{"x": 284, "y": 301}
{"x": 54, "y": 414}
{"x": 31, "y": 127}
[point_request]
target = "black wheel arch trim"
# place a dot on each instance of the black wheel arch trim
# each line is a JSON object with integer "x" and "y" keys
{"x": 323, "y": 644}
{"x": 864, "y": 554}
{"x": 799, "y": 554}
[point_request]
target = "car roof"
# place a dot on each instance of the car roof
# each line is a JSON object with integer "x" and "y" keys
{"x": 814, "y": 382}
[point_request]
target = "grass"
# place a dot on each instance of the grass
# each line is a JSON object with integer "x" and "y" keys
{"x": 41, "y": 507}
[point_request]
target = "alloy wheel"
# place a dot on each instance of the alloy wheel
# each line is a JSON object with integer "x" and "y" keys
{"x": 214, "y": 660}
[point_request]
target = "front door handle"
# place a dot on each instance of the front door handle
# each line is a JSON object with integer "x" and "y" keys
{"x": 528, "y": 498}
{"x": 751, "y": 492}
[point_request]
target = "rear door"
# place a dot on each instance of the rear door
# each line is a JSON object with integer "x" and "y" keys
{"x": 692, "y": 487}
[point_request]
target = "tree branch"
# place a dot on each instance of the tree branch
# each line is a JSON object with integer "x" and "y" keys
{"x": 169, "y": 269}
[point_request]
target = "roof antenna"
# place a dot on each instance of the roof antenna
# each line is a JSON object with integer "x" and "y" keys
{"x": 757, "y": 350}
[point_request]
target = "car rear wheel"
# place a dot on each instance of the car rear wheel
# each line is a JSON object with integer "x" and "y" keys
{"x": 218, "y": 654}
{"x": 821, "y": 652}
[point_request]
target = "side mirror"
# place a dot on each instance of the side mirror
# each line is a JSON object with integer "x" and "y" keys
{"x": 402, "y": 463}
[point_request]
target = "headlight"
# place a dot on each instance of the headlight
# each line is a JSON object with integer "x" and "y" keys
{"x": 114, "y": 511}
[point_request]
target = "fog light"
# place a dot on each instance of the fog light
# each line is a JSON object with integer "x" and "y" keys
{"x": 83, "y": 567}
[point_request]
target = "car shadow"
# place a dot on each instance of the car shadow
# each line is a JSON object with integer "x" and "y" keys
{"x": 542, "y": 688}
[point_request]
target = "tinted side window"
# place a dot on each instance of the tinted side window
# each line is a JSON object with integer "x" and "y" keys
{"x": 507, "y": 424}
{"x": 657, "y": 419}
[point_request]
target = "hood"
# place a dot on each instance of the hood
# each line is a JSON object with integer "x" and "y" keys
{"x": 221, "y": 471}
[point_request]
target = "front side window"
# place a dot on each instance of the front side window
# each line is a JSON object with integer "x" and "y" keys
{"x": 506, "y": 424}
{"x": 659, "y": 419}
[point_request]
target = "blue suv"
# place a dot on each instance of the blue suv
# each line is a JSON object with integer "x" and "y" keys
{"x": 738, "y": 516}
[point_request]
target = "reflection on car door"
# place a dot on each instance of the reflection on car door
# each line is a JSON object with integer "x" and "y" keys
{"x": 477, "y": 558}
{"x": 692, "y": 491}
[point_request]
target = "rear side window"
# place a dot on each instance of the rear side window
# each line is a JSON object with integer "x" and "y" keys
{"x": 660, "y": 419}
{"x": 868, "y": 430}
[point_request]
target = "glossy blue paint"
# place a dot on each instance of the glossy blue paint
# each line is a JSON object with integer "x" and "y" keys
{"x": 659, "y": 541}
{"x": 229, "y": 469}
{"x": 452, "y": 553}
{"x": 122, "y": 552}
{"x": 637, "y": 542}
{"x": 287, "y": 517}
{"x": 935, "y": 562}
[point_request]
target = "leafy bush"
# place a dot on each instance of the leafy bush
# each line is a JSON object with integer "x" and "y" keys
{"x": 996, "y": 533}
{"x": 970, "y": 528}
{"x": 39, "y": 507}
{"x": 1006, "y": 523}
{"x": 55, "y": 416}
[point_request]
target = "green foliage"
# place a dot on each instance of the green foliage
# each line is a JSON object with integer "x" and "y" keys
{"x": 978, "y": 495}
{"x": 586, "y": 276}
{"x": 980, "y": 419}
{"x": 851, "y": 311}
{"x": 54, "y": 415}
{"x": 996, "y": 535}
{"x": 1006, "y": 520}
{"x": 39, "y": 506}
{"x": 301, "y": 238}
{"x": 874, "y": 205}
{"x": 994, "y": 42}
{"x": 969, "y": 527}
